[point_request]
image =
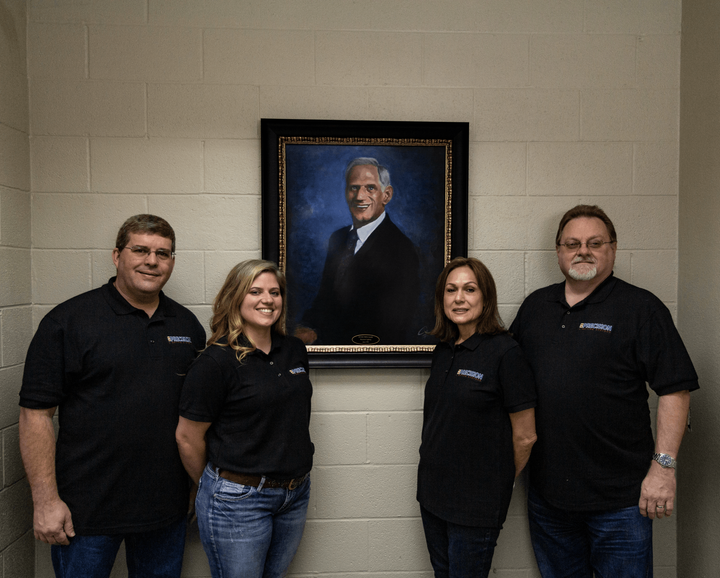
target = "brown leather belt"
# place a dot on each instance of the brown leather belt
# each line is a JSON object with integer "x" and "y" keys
{"x": 254, "y": 481}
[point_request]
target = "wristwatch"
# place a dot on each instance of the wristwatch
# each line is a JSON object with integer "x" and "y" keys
{"x": 665, "y": 460}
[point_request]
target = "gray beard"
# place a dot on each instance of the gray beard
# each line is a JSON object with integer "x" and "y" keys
{"x": 583, "y": 276}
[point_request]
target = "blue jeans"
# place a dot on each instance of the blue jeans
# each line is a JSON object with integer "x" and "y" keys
{"x": 612, "y": 544}
{"x": 249, "y": 532}
{"x": 458, "y": 551}
{"x": 158, "y": 553}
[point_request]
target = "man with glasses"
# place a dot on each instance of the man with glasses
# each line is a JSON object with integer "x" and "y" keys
{"x": 113, "y": 361}
{"x": 597, "y": 476}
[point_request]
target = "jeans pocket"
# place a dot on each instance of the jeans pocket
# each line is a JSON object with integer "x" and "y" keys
{"x": 228, "y": 491}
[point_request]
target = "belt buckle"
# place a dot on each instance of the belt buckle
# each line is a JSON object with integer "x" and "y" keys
{"x": 294, "y": 483}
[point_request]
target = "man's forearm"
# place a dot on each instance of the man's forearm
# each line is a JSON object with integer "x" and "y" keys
{"x": 672, "y": 417}
{"x": 37, "y": 448}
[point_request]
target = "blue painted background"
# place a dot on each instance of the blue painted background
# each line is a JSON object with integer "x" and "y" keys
{"x": 316, "y": 207}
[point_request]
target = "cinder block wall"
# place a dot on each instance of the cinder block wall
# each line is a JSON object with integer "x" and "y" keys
{"x": 154, "y": 105}
{"x": 16, "y": 537}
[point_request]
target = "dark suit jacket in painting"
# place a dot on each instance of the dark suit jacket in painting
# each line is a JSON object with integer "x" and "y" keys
{"x": 377, "y": 294}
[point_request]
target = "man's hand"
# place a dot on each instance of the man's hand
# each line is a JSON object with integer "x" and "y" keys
{"x": 657, "y": 496}
{"x": 305, "y": 334}
{"x": 52, "y": 523}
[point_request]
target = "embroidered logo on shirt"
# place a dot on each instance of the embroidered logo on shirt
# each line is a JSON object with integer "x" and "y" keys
{"x": 179, "y": 339}
{"x": 298, "y": 370}
{"x": 596, "y": 327}
{"x": 471, "y": 374}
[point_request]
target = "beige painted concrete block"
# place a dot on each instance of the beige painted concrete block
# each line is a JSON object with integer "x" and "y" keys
{"x": 150, "y": 53}
{"x": 623, "y": 265}
{"x": 214, "y": 222}
{"x": 97, "y": 11}
{"x": 232, "y": 166}
{"x": 98, "y": 108}
{"x": 187, "y": 283}
{"x": 12, "y": 462}
{"x": 508, "y": 313}
{"x": 195, "y": 562}
{"x": 630, "y": 115}
{"x": 57, "y": 50}
{"x": 14, "y": 218}
{"x": 15, "y": 333}
{"x": 572, "y": 169}
{"x": 14, "y": 155}
{"x": 364, "y": 492}
{"x": 332, "y": 546}
{"x": 15, "y": 288}
{"x": 640, "y": 228}
{"x": 102, "y": 266}
{"x": 156, "y": 165}
{"x": 81, "y": 221}
{"x": 18, "y": 558}
{"x": 335, "y": 390}
{"x": 203, "y": 314}
{"x": 513, "y": 549}
{"x": 665, "y": 541}
{"x": 633, "y": 17}
{"x": 397, "y": 545}
{"x": 526, "y": 115}
{"x": 202, "y": 111}
{"x": 394, "y": 437}
{"x": 426, "y": 104}
{"x": 208, "y": 14}
{"x": 655, "y": 169}
{"x": 10, "y": 381}
{"x": 339, "y": 438}
{"x": 59, "y": 275}
{"x": 60, "y": 164}
{"x": 14, "y": 111}
{"x": 532, "y": 16}
{"x": 314, "y": 102}
{"x": 16, "y": 508}
{"x": 507, "y": 269}
{"x": 482, "y": 60}
{"x": 217, "y": 266}
{"x": 259, "y": 57}
{"x": 658, "y": 61}
{"x": 13, "y": 40}
{"x": 541, "y": 270}
{"x": 497, "y": 168}
{"x": 383, "y": 60}
{"x": 656, "y": 271}
{"x": 581, "y": 61}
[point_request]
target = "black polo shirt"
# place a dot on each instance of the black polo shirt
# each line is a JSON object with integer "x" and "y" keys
{"x": 259, "y": 409}
{"x": 116, "y": 376}
{"x": 467, "y": 464}
{"x": 591, "y": 363}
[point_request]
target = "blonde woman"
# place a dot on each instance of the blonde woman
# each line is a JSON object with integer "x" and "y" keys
{"x": 243, "y": 430}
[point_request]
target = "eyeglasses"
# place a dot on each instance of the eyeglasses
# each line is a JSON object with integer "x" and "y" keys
{"x": 143, "y": 252}
{"x": 593, "y": 245}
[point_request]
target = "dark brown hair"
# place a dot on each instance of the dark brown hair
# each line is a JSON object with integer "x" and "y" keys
{"x": 147, "y": 224}
{"x": 489, "y": 321}
{"x": 586, "y": 211}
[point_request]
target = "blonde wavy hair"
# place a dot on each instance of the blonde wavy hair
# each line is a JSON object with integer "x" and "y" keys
{"x": 227, "y": 321}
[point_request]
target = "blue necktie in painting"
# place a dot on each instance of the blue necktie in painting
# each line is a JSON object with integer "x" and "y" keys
{"x": 347, "y": 256}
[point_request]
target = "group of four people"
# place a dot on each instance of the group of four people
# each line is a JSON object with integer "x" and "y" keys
{"x": 118, "y": 362}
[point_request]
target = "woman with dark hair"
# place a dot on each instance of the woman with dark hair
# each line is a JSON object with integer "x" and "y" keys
{"x": 478, "y": 423}
{"x": 243, "y": 431}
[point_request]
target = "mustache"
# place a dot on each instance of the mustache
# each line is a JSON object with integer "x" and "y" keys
{"x": 580, "y": 259}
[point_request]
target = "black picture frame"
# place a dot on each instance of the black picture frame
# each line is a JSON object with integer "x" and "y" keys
{"x": 303, "y": 176}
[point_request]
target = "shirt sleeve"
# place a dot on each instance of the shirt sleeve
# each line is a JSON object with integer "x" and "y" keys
{"x": 204, "y": 390}
{"x": 517, "y": 381}
{"x": 44, "y": 372}
{"x": 661, "y": 353}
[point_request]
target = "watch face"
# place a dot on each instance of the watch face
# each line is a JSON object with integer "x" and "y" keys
{"x": 665, "y": 461}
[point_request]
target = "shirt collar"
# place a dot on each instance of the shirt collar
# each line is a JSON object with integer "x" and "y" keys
{"x": 599, "y": 295}
{"x": 366, "y": 230}
{"x": 472, "y": 342}
{"x": 120, "y": 305}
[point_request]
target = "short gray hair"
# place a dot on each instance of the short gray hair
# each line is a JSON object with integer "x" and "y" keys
{"x": 383, "y": 173}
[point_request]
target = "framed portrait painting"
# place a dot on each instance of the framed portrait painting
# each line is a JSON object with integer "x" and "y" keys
{"x": 362, "y": 216}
